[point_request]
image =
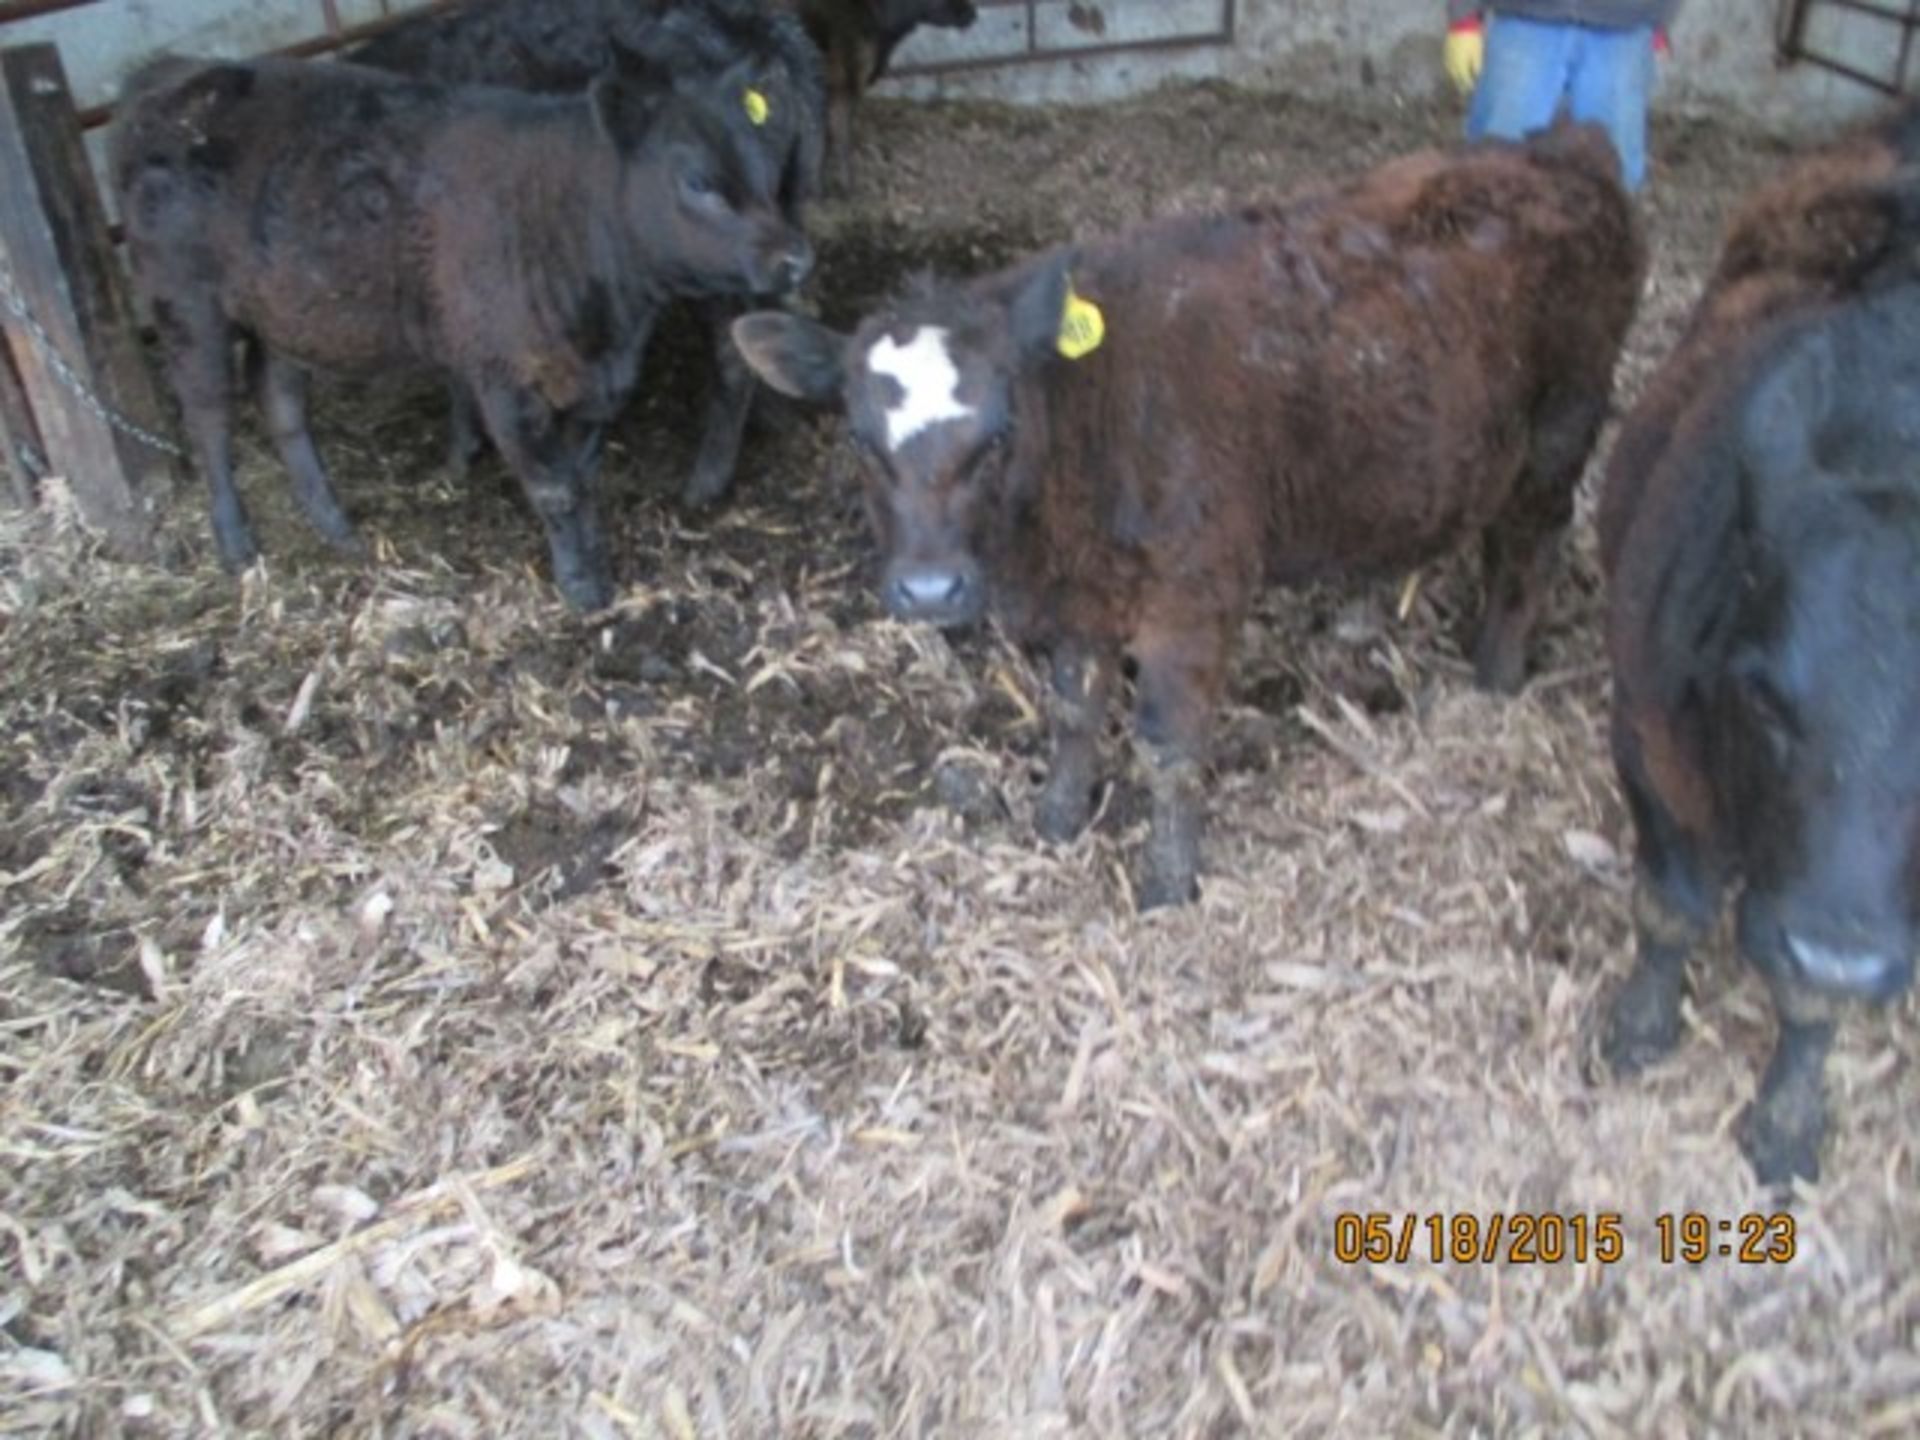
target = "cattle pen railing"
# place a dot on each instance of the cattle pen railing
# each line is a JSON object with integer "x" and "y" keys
{"x": 1024, "y": 32}
{"x": 1812, "y": 32}
{"x": 1010, "y": 32}
{"x": 331, "y": 30}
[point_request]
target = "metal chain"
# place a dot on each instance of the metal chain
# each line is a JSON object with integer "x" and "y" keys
{"x": 16, "y": 306}
{"x": 31, "y": 460}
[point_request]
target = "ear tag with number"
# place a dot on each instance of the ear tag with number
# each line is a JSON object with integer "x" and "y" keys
{"x": 1082, "y": 326}
{"x": 757, "y": 107}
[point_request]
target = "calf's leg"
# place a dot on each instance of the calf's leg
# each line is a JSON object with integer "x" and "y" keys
{"x": 199, "y": 348}
{"x": 283, "y": 396}
{"x": 1082, "y": 681}
{"x": 1521, "y": 548}
{"x": 1675, "y": 897}
{"x": 728, "y": 404}
{"x": 1783, "y": 1129}
{"x": 1181, "y": 673}
{"x": 556, "y": 459}
{"x": 465, "y": 437}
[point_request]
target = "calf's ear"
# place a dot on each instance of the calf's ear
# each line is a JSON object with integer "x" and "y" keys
{"x": 627, "y": 95}
{"x": 1039, "y": 305}
{"x": 793, "y": 354}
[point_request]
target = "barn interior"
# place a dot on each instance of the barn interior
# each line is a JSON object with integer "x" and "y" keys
{"x": 430, "y": 1012}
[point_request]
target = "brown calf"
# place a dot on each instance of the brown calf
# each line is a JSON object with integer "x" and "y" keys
{"x": 344, "y": 218}
{"x": 1346, "y": 385}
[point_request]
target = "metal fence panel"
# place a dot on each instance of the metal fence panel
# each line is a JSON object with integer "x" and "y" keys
{"x": 1016, "y": 32}
{"x": 1869, "y": 41}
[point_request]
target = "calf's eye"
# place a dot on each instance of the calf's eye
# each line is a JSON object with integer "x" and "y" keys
{"x": 1772, "y": 711}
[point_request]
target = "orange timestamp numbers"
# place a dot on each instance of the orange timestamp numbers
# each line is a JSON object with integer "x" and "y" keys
{"x": 1546, "y": 1238}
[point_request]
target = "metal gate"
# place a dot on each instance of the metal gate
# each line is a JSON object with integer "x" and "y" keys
{"x": 292, "y": 27}
{"x": 1014, "y": 32}
{"x": 1871, "y": 41}
{"x": 1007, "y": 32}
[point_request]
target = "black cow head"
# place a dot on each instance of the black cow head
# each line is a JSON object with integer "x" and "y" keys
{"x": 903, "y": 15}
{"x": 743, "y": 44}
{"x": 894, "y": 20}
{"x": 930, "y": 390}
{"x": 1816, "y": 745}
{"x": 702, "y": 193}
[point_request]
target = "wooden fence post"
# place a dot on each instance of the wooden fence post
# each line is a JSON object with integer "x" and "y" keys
{"x": 55, "y": 244}
{"x": 19, "y": 436}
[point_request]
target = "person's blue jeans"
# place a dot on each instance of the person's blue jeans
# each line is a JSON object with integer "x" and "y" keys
{"x": 1534, "y": 67}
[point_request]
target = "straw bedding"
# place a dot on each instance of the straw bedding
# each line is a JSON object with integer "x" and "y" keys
{"x": 428, "y": 1014}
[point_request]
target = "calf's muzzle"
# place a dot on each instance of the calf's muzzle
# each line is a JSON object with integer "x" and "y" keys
{"x": 938, "y": 594}
{"x": 780, "y": 269}
{"x": 1873, "y": 971}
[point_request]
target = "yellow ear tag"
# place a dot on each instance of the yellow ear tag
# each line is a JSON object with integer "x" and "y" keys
{"x": 1082, "y": 326}
{"x": 757, "y": 107}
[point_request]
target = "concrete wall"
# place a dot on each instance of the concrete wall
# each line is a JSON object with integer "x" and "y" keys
{"x": 1723, "y": 62}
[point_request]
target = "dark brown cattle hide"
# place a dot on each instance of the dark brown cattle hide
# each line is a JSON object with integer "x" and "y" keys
{"x": 1345, "y": 385}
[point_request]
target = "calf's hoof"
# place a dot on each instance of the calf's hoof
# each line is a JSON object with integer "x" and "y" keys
{"x": 1643, "y": 1024}
{"x": 705, "y": 487}
{"x": 587, "y": 593}
{"x": 460, "y": 462}
{"x": 1160, "y": 891}
{"x": 1781, "y": 1137}
{"x": 1499, "y": 668}
{"x": 1064, "y": 807}
{"x": 1162, "y": 886}
{"x": 237, "y": 553}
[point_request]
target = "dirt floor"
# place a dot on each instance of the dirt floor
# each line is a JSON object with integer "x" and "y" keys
{"x": 426, "y": 1013}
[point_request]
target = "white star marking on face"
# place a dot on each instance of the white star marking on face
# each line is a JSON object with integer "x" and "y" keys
{"x": 928, "y": 380}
